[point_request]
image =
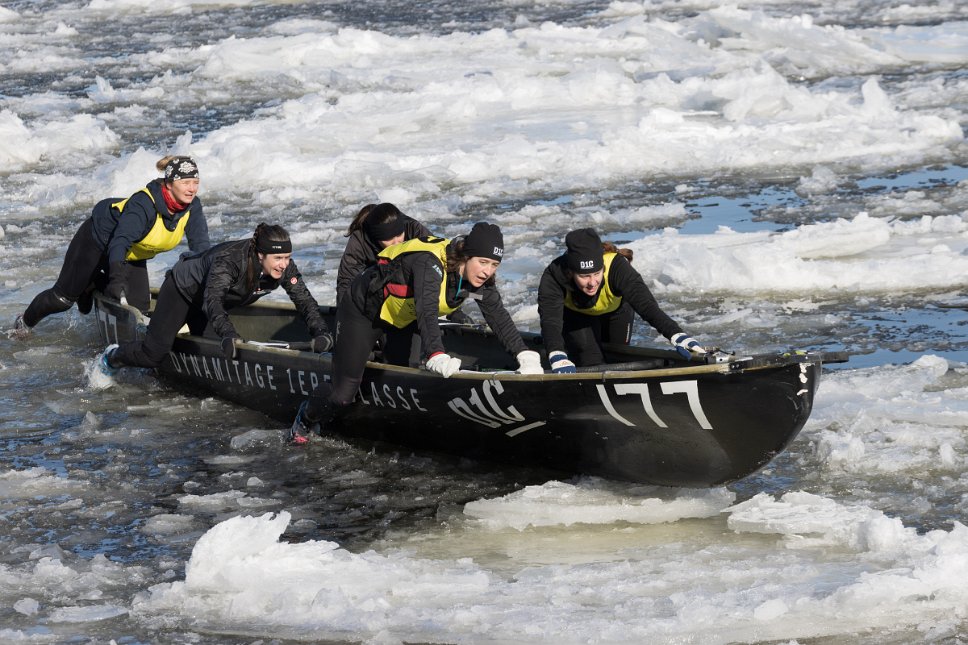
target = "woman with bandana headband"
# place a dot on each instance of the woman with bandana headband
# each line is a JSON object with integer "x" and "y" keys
{"x": 402, "y": 295}
{"x": 201, "y": 288}
{"x": 590, "y": 295}
{"x": 111, "y": 248}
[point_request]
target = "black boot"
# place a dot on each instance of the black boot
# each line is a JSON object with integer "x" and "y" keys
{"x": 45, "y": 303}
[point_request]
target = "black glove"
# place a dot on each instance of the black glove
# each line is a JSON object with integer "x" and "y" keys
{"x": 459, "y": 317}
{"x": 228, "y": 346}
{"x": 117, "y": 280}
{"x": 322, "y": 343}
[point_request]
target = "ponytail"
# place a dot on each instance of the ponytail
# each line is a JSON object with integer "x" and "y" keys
{"x": 161, "y": 163}
{"x": 608, "y": 247}
{"x": 357, "y": 222}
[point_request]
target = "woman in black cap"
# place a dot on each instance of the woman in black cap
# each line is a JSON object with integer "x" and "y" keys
{"x": 589, "y": 296}
{"x": 201, "y": 288}
{"x": 404, "y": 293}
{"x": 111, "y": 248}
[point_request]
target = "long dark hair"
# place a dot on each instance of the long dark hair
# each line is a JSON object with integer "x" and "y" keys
{"x": 271, "y": 232}
{"x": 375, "y": 214}
{"x": 456, "y": 255}
{"x": 608, "y": 247}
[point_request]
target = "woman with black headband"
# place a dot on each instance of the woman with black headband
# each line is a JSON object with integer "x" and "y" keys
{"x": 200, "y": 289}
{"x": 111, "y": 248}
{"x": 590, "y": 295}
{"x": 374, "y": 228}
{"x": 404, "y": 293}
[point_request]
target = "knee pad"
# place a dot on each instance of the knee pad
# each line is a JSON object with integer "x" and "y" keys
{"x": 63, "y": 303}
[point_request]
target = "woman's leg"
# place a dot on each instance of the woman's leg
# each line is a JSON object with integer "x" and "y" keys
{"x": 403, "y": 346}
{"x": 80, "y": 266}
{"x": 355, "y": 336}
{"x": 583, "y": 338}
{"x": 136, "y": 290}
{"x": 167, "y": 319}
{"x": 617, "y": 326}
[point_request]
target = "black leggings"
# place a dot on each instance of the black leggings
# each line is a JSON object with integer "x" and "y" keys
{"x": 356, "y": 336}
{"x": 85, "y": 268}
{"x": 171, "y": 312}
{"x": 585, "y": 334}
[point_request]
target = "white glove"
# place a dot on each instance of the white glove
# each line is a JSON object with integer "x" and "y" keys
{"x": 443, "y": 364}
{"x": 529, "y": 362}
{"x": 686, "y": 345}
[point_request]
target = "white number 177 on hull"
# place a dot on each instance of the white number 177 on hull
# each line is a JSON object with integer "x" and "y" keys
{"x": 689, "y": 388}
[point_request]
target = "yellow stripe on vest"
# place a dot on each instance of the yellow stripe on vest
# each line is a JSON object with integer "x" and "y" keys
{"x": 399, "y": 308}
{"x": 159, "y": 239}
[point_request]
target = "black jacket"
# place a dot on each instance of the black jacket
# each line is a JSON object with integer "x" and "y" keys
{"x": 421, "y": 272}
{"x": 360, "y": 253}
{"x": 215, "y": 281}
{"x": 623, "y": 280}
{"x": 116, "y": 232}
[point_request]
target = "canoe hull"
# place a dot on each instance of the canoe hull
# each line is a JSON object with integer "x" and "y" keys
{"x": 694, "y": 427}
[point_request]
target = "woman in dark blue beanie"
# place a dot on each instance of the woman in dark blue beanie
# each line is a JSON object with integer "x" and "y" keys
{"x": 589, "y": 296}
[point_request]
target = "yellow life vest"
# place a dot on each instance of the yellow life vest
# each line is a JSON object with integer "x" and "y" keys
{"x": 607, "y": 301}
{"x": 159, "y": 238}
{"x": 399, "y": 308}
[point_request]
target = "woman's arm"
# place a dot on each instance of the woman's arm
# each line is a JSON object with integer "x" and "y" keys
{"x": 223, "y": 274}
{"x": 426, "y": 277}
{"x": 133, "y": 224}
{"x": 357, "y": 256}
{"x": 625, "y": 281}
{"x": 197, "y": 229}
{"x": 304, "y": 301}
{"x": 551, "y": 308}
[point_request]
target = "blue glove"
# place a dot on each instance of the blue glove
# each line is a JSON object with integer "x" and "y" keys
{"x": 686, "y": 345}
{"x": 560, "y": 364}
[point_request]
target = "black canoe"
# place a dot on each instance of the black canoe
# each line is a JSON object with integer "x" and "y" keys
{"x": 651, "y": 417}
